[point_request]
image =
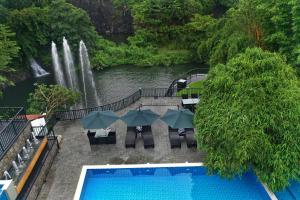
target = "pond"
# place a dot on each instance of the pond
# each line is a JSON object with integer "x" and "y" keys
{"x": 112, "y": 84}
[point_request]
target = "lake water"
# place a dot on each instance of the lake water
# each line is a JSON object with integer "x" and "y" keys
{"x": 112, "y": 84}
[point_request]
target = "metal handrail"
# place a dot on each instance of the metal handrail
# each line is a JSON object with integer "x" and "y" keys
{"x": 188, "y": 76}
{"x": 10, "y": 121}
{"x": 11, "y": 131}
{"x": 192, "y": 71}
{"x": 116, "y": 106}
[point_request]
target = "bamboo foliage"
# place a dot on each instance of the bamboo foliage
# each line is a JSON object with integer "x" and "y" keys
{"x": 248, "y": 118}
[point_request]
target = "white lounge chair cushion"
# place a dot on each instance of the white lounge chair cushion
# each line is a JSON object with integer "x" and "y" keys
{"x": 101, "y": 133}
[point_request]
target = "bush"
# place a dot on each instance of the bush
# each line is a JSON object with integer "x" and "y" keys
{"x": 248, "y": 118}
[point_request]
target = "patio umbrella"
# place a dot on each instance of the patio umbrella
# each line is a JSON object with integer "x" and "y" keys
{"x": 98, "y": 119}
{"x": 140, "y": 117}
{"x": 179, "y": 118}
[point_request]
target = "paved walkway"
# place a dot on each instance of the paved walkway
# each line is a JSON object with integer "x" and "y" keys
{"x": 75, "y": 150}
{"x": 196, "y": 77}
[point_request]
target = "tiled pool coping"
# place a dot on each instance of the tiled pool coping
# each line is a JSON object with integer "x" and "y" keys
{"x": 86, "y": 167}
{"x": 9, "y": 188}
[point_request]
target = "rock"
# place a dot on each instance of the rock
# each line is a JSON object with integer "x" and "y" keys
{"x": 107, "y": 20}
{"x": 19, "y": 76}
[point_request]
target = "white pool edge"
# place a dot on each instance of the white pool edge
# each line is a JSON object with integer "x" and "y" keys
{"x": 9, "y": 188}
{"x": 86, "y": 167}
{"x": 270, "y": 193}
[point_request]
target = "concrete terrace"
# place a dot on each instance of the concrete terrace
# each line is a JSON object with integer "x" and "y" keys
{"x": 76, "y": 151}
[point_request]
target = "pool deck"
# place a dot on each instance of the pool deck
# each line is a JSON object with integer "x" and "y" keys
{"x": 76, "y": 151}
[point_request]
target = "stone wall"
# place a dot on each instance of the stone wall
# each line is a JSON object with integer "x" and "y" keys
{"x": 34, "y": 192}
{"x": 11, "y": 154}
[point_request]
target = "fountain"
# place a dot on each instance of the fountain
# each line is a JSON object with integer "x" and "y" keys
{"x": 16, "y": 168}
{"x": 87, "y": 76}
{"x": 69, "y": 66}
{"x": 25, "y": 153}
{"x": 35, "y": 140}
{"x": 37, "y": 70}
{"x": 57, "y": 68}
{"x": 29, "y": 145}
{"x": 7, "y": 175}
{"x": 20, "y": 161}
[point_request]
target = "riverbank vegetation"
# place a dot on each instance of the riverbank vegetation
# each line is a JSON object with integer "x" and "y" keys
{"x": 166, "y": 32}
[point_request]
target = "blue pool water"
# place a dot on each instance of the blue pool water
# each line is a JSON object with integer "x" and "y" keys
{"x": 2, "y": 194}
{"x": 290, "y": 193}
{"x": 170, "y": 183}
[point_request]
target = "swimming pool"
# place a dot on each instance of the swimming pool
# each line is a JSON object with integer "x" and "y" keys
{"x": 164, "y": 182}
{"x": 290, "y": 193}
{"x": 3, "y": 195}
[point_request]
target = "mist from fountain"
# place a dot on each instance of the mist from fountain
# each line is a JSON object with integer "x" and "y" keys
{"x": 88, "y": 82}
{"x": 7, "y": 175}
{"x": 29, "y": 144}
{"x": 71, "y": 75}
{"x": 25, "y": 153}
{"x": 57, "y": 67}
{"x": 20, "y": 161}
{"x": 16, "y": 168}
{"x": 37, "y": 70}
{"x": 35, "y": 140}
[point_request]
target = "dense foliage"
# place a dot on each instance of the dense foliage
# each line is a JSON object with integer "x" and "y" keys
{"x": 8, "y": 51}
{"x": 159, "y": 36}
{"x": 212, "y": 31}
{"x": 50, "y": 98}
{"x": 35, "y": 23}
{"x": 248, "y": 118}
{"x": 36, "y": 27}
{"x": 167, "y": 32}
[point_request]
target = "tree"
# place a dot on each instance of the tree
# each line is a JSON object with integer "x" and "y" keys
{"x": 248, "y": 118}
{"x": 71, "y": 22}
{"x": 296, "y": 31}
{"x": 240, "y": 28}
{"x": 19, "y": 4}
{"x": 8, "y": 51}
{"x": 36, "y": 26}
{"x": 32, "y": 28}
{"x": 50, "y": 98}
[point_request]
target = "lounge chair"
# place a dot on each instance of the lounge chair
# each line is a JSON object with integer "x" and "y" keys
{"x": 174, "y": 138}
{"x": 110, "y": 139}
{"x": 184, "y": 96}
{"x": 190, "y": 137}
{"x": 147, "y": 137}
{"x": 130, "y": 137}
{"x": 194, "y": 96}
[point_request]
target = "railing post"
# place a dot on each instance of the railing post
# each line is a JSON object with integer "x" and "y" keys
{"x": 58, "y": 146}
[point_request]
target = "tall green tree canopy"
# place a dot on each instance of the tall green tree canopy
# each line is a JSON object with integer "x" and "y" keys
{"x": 38, "y": 22}
{"x": 73, "y": 23}
{"x": 248, "y": 118}
{"x": 8, "y": 51}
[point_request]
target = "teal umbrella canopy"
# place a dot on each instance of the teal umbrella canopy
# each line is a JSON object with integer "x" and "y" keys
{"x": 98, "y": 119}
{"x": 179, "y": 118}
{"x": 140, "y": 117}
